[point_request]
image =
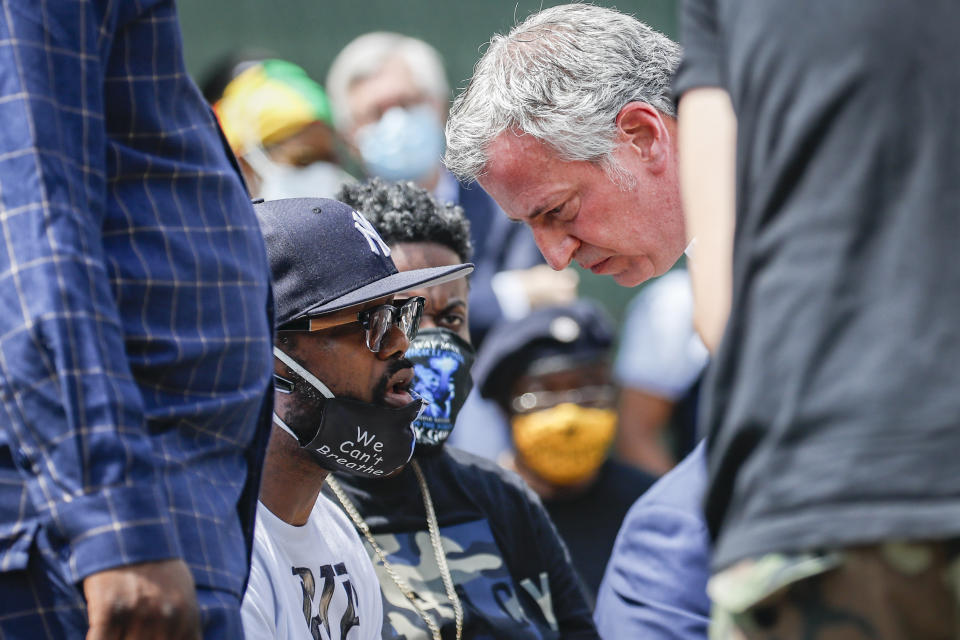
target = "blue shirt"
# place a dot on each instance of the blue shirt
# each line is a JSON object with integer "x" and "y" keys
{"x": 655, "y": 586}
{"x": 135, "y": 333}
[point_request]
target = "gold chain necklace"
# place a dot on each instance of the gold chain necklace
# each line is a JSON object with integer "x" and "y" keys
{"x": 435, "y": 541}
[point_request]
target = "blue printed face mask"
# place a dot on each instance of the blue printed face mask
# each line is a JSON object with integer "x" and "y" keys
{"x": 405, "y": 144}
{"x": 442, "y": 361}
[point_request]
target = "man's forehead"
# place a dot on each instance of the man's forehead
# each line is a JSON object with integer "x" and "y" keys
{"x": 588, "y": 373}
{"x": 513, "y": 146}
{"x": 357, "y": 308}
{"x": 392, "y": 83}
{"x": 520, "y": 176}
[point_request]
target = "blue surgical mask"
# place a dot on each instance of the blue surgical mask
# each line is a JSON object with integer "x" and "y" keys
{"x": 405, "y": 144}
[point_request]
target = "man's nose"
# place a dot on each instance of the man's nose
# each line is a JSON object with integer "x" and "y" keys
{"x": 395, "y": 343}
{"x": 557, "y": 247}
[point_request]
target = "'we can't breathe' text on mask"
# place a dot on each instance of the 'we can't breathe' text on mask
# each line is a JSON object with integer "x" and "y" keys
{"x": 354, "y": 437}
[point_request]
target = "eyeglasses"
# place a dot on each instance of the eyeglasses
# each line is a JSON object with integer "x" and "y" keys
{"x": 598, "y": 396}
{"x": 375, "y": 321}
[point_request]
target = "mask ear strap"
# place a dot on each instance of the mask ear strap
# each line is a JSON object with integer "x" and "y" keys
{"x": 257, "y": 158}
{"x": 302, "y": 372}
{"x": 283, "y": 425}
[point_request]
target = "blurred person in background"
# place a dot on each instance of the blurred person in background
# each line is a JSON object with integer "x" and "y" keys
{"x": 135, "y": 334}
{"x": 658, "y": 367}
{"x": 462, "y": 547}
{"x": 390, "y": 99}
{"x": 229, "y": 66}
{"x": 550, "y": 375}
{"x": 343, "y": 403}
{"x": 819, "y": 163}
{"x": 279, "y": 124}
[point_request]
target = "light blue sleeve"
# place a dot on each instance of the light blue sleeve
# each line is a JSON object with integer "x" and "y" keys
{"x": 655, "y": 583}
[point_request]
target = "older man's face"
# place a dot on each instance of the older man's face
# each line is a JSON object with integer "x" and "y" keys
{"x": 393, "y": 85}
{"x": 577, "y": 213}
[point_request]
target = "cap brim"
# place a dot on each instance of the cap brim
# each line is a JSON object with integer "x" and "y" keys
{"x": 396, "y": 283}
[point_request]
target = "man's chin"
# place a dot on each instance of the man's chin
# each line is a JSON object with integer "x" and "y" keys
{"x": 634, "y": 275}
{"x": 628, "y": 279}
{"x": 626, "y": 271}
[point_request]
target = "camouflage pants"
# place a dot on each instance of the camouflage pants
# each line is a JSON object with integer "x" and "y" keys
{"x": 891, "y": 591}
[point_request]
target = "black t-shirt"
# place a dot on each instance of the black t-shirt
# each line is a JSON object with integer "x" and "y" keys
{"x": 509, "y": 566}
{"x": 832, "y": 410}
{"x": 589, "y": 522}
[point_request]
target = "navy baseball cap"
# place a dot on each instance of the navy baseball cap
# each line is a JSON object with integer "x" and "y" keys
{"x": 567, "y": 334}
{"x": 324, "y": 257}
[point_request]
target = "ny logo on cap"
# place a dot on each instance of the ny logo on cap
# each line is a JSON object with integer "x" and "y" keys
{"x": 377, "y": 245}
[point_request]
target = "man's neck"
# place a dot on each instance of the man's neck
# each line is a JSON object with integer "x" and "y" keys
{"x": 548, "y": 491}
{"x": 291, "y": 480}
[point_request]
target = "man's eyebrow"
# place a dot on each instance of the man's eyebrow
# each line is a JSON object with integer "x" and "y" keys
{"x": 550, "y": 205}
{"x": 537, "y": 211}
{"x": 454, "y": 302}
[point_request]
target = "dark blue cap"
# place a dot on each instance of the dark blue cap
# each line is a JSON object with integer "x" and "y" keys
{"x": 324, "y": 256}
{"x": 576, "y": 332}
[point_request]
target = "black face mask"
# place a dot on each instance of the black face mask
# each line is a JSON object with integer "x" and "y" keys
{"x": 442, "y": 361}
{"x": 354, "y": 437}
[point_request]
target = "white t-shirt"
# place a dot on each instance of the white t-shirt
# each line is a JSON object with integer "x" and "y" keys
{"x": 313, "y": 582}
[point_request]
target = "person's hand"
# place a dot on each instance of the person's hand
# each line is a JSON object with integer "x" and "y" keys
{"x": 152, "y": 600}
{"x": 546, "y": 288}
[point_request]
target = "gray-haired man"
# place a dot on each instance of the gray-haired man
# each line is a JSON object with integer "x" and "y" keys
{"x": 568, "y": 123}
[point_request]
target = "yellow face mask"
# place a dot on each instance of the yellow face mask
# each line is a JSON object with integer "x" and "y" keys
{"x": 564, "y": 444}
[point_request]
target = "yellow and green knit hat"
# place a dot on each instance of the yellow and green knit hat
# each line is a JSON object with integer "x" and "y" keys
{"x": 269, "y": 102}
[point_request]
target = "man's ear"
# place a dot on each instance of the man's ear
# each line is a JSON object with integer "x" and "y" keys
{"x": 647, "y": 132}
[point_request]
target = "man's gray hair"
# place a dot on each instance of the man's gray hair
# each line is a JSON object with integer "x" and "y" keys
{"x": 367, "y": 54}
{"x": 561, "y": 76}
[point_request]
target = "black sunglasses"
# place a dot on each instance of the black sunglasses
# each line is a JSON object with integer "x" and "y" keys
{"x": 375, "y": 321}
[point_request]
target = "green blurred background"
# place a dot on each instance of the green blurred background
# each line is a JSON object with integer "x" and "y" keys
{"x": 311, "y": 32}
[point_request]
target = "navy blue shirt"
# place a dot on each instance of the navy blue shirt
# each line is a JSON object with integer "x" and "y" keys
{"x": 135, "y": 334}
{"x": 508, "y": 564}
{"x": 655, "y": 586}
{"x": 589, "y": 522}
